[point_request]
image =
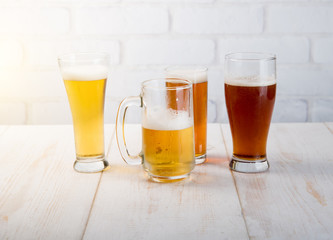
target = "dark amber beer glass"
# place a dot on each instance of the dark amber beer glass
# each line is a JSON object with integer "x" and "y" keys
{"x": 198, "y": 76}
{"x": 250, "y": 88}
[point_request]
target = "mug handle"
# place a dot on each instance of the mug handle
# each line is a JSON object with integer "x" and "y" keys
{"x": 120, "y": 133}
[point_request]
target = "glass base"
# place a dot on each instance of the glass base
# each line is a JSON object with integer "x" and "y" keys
{"x": 248, "y": 166}
{"x": 163, "y": 179}
{"x": 90, "y": 164}
{"x": 200, "y": 159}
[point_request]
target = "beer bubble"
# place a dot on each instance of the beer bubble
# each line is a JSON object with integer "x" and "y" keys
{"x": 194, "y": 75}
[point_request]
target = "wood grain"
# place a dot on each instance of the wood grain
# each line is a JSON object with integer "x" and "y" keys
{"x": 330, "y": 126}
{"x": 206, "y": 206}
{"x": 3, "y": 129}
{"x": 41, "y": 196}
{"x": 293, "y": 199}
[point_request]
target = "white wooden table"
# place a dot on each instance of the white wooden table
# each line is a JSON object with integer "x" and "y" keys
{"x": 42, "y": 197}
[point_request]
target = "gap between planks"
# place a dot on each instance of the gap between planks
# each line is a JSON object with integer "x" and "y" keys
{"x": 3, "y": 129}
{"x": 98, "y": 184}
{"x": 328, "y": 127}
{"x": 234, "y": 180}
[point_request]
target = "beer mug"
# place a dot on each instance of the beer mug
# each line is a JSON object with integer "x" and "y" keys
{"x": 167, "y": 129}
{"x": 84, "y": 76}
{"x": 198, "y": 76}
{"x": 250, "y": 88}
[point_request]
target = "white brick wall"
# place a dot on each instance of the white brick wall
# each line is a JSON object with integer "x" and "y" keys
{"x": 145, "y": 36}
{"x": 220, "y": 19}
{"x": 168, "y": 51}
{"x": 121, "y": 20}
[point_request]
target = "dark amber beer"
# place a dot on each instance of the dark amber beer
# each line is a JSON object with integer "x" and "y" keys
{"x": 250, "y": 110}
{"x": 200, "y": 117}
{"x": 198, "y": 76}
{"x": 250, "y": 88}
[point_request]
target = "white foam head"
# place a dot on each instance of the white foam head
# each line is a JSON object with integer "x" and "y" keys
{"x": 166, "y": 119}
{"x": 193, "y": 74}
{"x": 84, "y": 72}
{"x": 253, "y": 81}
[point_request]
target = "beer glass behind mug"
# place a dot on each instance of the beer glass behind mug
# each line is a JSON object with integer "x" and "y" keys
{"x": 167, "y": 129}
{"x": 198, "y": 76}
{"x": 250, "y": 87}
{"x": 84, "y": 76}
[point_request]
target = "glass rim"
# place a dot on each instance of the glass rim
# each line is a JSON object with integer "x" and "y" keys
{"x": 250, "y": 56}
{"x": 148, "y": 84}
{"x": 195, "y": 68}
{"x": 70, "y": 57}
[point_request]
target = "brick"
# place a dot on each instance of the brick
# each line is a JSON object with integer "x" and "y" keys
{"x": 290, "y": 110}
{"x": 322, "y": 50}
{"x": 228, "y": 19}
{"x": 322, "y": 110}
{"x": 215, "y": 84}
{"x": 50, "y": 112}
{"x": 45, "y": 53}
{"x": 37, "y": 20}
{"x": 211, "y": 111}
{"x": 312, "y": 18}
{"x": 32, "y": 84}
{"x": 124, "y": 82}
{"x": 121, "y": 20}
{"x": 12, "y": 112}
{"x": 180, "y": 51}
{"x": 305, "y": 81}
{"x": 11, "y": 53}
{"x": 287, "y": 49}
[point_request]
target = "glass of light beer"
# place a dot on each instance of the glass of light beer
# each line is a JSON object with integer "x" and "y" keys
{"x": 198, "y": 76}
{"x": 84, "y": 76}
{"x": 250, "y": 88}
{"x": 167, "y": 129}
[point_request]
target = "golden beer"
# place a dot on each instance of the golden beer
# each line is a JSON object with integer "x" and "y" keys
{"x": 85, "y": 76}
{"x": 167, "y": 129}
{"x": 86, "y": 99}
{"x": 168, "y": 153}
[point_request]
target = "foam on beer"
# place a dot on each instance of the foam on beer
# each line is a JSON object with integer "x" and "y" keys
{"x": 195, "y": 76}
{"x": 253, "y": 81}
{"x": 166, "y": 119}
{"x": 85, "y": 73}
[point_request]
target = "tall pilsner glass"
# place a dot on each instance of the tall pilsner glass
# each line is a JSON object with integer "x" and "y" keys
{"x": 250, "y": 87}
{"x": 85, "y": 75}
{"x": 198, "y": 76}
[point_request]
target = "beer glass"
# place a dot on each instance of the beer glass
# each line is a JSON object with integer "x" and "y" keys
{"x": 250, "y": 87}
{"x": 167, "y": 129}
{"x": 84, "y": 76}
{"x": 198, "y": 76}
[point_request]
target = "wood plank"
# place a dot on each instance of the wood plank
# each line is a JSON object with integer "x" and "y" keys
{"x": 41, "y": 196}
{"x": 206, "y": 206}
{"x": 330, "y": 126}
{"x": 293, "y": 200}
{"x": 3, "y": 128}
